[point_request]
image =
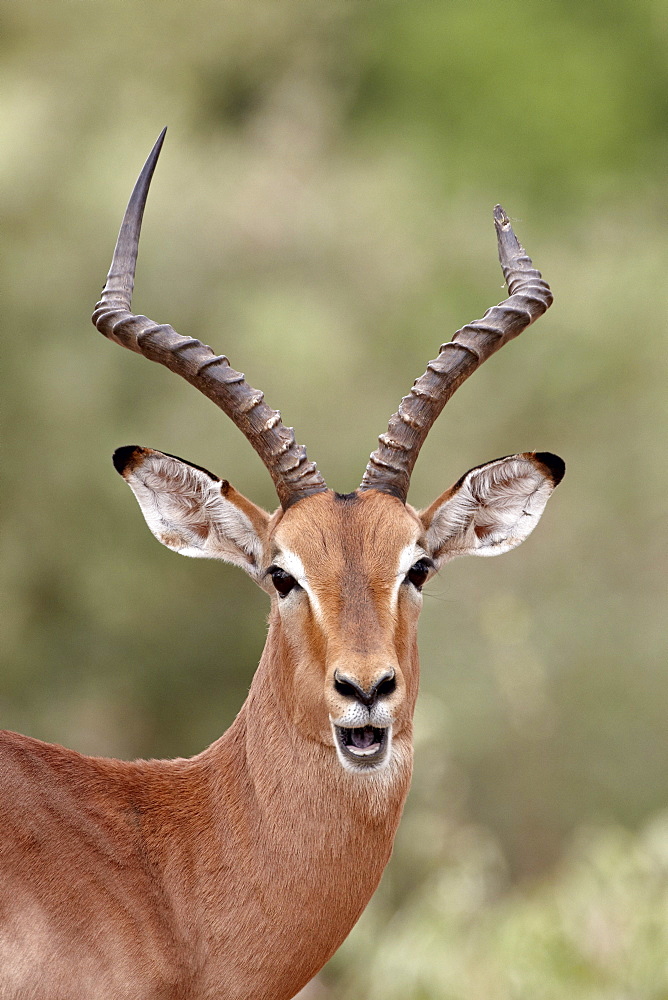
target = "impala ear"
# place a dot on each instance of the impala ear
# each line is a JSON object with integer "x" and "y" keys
{"x": 192, "y": 511}
{"x": 492, "y": 508}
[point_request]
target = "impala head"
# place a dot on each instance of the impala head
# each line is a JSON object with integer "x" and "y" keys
{"x": 344, "y": 572}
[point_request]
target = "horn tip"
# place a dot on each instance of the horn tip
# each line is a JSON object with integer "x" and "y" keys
{"x": 157, "y": 146}
{"x": 501, "y": 219}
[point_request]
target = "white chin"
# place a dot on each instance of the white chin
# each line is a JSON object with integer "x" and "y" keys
{"x": 363, "y": 749}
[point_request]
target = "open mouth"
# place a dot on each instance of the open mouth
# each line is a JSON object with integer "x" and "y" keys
{"x": 364, "y": 747}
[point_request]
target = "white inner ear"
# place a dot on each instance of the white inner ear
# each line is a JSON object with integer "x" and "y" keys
{"x": 186, "y": 510}
{"x": 492, "y": 510}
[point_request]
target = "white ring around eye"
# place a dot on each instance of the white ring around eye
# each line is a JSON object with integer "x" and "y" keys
{"x": 409, "y": 556}
{"x": 290, "y": 563}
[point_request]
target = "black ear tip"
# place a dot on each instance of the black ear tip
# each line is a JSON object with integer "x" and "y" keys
{"x": 556, "y": 465}
{"x": 122, "y": 457}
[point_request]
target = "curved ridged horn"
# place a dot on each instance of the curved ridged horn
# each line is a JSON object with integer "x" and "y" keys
{"x": 390, "y": 466}
{"x": 293, "y": 475}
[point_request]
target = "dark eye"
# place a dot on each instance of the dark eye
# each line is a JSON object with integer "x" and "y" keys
{"x": 418, "y": 573}
{"x": 281, "y": 580}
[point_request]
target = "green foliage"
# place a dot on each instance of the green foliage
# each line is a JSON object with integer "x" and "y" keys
{"x": 322, "y": 214}
{"x": 595, "y": 931}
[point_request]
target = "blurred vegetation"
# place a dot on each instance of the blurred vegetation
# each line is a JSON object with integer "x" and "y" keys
{"x": 595, "y": 930}
{"x": 322, "y": 214}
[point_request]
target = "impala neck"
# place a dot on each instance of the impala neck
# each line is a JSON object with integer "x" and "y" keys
{"x": 282, "y": 753}
{"x": 308, "y": 840}
{"x": 310, "y": 824}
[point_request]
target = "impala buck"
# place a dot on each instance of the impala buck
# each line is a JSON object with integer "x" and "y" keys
{"x": 238, "y": 873}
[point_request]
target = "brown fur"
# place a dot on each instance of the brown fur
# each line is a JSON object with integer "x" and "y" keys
{"x": 238, "y": 873}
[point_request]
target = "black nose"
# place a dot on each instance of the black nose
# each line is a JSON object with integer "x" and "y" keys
{"x": 349, "y": 688}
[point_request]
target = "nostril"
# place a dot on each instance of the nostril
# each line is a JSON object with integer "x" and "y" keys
{"x": 345, "y": 688}
{"x": 350, "y": 689}
{"x": 386, "y": 686}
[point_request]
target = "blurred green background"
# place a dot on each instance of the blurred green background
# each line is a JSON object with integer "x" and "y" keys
{"x": 322, "y": 214}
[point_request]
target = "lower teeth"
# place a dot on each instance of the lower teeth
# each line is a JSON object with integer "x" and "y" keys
{"x": 363, "y": 742}
{"x": 366, "y": 752}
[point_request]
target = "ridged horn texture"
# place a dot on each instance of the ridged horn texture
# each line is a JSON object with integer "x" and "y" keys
{"x": 390, "y": 466}
{"x": 293, "y": 475}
